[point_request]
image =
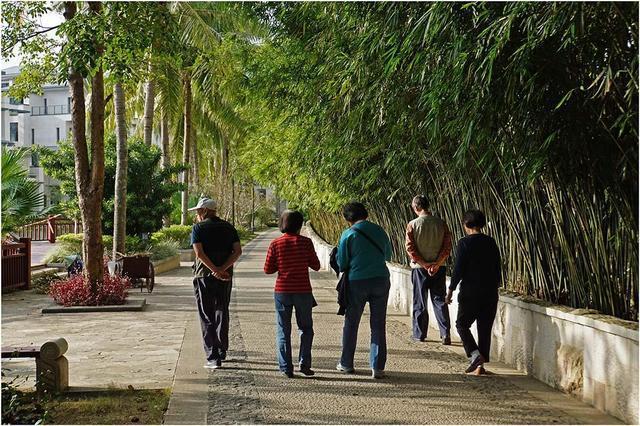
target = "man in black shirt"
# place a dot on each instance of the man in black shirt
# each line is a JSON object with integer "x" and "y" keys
{"x": 217, "y": 247}
{"x": 478, "y": 271}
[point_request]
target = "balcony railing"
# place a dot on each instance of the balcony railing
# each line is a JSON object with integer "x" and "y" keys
{"x": 50, "y": 110}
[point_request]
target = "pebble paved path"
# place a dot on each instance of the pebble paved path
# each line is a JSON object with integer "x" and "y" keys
{"x": 424, "y": 384}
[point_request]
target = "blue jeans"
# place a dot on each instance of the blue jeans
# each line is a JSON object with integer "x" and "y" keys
{"x": 376, "y": 292}
{"x": 285, "y": 302}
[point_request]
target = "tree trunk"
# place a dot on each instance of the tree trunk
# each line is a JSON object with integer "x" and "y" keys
{"x": 186, "y": 89}
{"x": 166, "y": 162}
{"x": 164, "y": 136}
{"x": 253, "y": 205}
{"x": 194, "y": 160}
{"x": 89, "y": 177}
{"x": 149, "y": 101}
{"x": 224, "y": 167}
{"x": 120, "y": 199}
{"x": 233, "y": 201}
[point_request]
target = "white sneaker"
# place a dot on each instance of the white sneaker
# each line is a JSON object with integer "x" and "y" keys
{"x": 213, "y": 364}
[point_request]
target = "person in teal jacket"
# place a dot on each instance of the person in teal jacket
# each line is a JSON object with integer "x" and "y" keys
{"x": 363, "y": 251}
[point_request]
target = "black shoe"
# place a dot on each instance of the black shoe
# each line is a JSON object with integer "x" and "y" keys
{"x": 475, "y": 363}
{"x": 445, "y": 341}
{"x": 307, "y": 371}
{"x": 288, "y": 374}
{"x": 223, "y": 355}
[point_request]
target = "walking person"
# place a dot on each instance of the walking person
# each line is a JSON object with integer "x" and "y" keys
{"x": 428, "y": 243}
{"x": 478, "y": 272}
{"x": 362, "y": 253}
{"x": 291, "y": 255}
{"x": 217, "y": 247}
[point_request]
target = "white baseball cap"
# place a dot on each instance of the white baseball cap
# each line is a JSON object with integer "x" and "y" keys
{"x": 205, "y": 203}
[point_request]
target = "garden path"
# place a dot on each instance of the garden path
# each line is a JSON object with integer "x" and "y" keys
{"x": 424, "y": 383}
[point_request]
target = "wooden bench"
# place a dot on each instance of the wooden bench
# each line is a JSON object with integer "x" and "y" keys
{"x": 52, "y": 368}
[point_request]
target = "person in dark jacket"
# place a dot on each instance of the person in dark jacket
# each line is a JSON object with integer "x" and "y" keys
{"x": 217, "y": 247}
{"x": 478, "y": 272}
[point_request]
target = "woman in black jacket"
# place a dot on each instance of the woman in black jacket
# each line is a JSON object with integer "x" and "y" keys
{"x": 478, "y": 271}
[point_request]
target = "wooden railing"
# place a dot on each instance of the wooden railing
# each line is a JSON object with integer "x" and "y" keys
{"x": 49, "y": 229}
{"x": 16, "y": 265}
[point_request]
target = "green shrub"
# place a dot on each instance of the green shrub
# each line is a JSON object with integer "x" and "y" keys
{"x": 20, "y": 407}
{"x": 245, "y": 234}
{"x": 42, "y": 282}
{"x": 181, "y": 234}
{"x": 163, "y": 249}
{"x": 71, "y": 244}
{"x": 133, "y": 244}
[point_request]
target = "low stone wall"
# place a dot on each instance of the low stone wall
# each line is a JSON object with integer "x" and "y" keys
{"x": 187, "y": 255}
{"x": 592, "y": 356}
{"x": 165, "y": 265}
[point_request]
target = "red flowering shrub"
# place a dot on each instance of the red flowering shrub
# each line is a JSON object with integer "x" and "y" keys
{"x": 75, "y": 291}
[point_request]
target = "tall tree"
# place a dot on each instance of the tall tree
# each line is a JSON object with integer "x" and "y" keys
{"x": 186, "y": 93}
{"x": 89, "y": 172}
{"x": 149, "y": 105}
{"x": 120, "y": 193}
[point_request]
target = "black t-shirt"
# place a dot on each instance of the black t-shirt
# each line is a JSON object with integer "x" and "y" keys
{"x": 217, "y": 237}
{"x": 478, "y": 266}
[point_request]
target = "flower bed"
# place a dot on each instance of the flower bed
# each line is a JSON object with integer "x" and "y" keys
{"x": 75, "y": 291}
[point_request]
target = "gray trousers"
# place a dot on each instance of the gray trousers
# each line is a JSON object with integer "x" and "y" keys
{"x": 212, "y": 298}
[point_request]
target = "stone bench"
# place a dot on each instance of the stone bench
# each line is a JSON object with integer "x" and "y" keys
{"x": 52, "y": 368}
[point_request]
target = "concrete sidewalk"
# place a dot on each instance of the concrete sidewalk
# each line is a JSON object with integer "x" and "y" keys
{"x": 424, "y": 383}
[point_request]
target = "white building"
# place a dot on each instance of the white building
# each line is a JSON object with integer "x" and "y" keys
{"x": 37, "y": 120}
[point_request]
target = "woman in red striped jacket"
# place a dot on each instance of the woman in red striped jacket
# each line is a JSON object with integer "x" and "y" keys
{"x": 291, "y": 255}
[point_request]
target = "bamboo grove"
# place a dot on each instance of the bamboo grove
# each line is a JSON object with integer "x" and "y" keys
{"x": 528, "y": 111}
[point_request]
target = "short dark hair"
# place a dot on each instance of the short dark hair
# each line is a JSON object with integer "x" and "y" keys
{"x": 474, "y": 219}
{"x": 291, "y": 222}
{"x": 354, "y": 212}
{"x": 419, "y": 202}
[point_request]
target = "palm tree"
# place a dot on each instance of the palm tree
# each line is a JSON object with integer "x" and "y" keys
{"x": 120, "y": 196}
{"x": 22, "y": 202}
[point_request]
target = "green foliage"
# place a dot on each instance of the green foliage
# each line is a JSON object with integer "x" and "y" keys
{"x": 181, "y": 234}
{"x": 245, "y": 234}
{"x": 71, "y": 245}
{"x": 528, "y": 111}
{"x": 148, "y": 186}
{"x": 22, "y": 201}
{"x": 20, "y": 407}
{"x": 42, "y": 282}
{"x": 163, "y": 249}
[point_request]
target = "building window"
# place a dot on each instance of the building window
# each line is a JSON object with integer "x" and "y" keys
{"x": 13, "y": 129}
{"x": 14, "y": 101}
{"x": 33, "y": 136}
{"x": 35, "y": 159}
{"x": 57, "y": 134}
{"x": 5, "y": 85}
{"x": 69, "y": 105}
{"x": 45, "y": 106}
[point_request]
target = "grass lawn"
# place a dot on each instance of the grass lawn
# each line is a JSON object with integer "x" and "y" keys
{"x": 113, "y": 406}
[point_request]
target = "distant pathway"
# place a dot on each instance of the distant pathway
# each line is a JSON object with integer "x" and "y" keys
{"x": 424, "y": 383}
{"x": 39, "y": 250}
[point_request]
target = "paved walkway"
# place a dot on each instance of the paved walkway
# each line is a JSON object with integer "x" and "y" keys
{"x": 424, "y": 384}
{"x": 39, "y": 250}
{"x": 109, "y": 348}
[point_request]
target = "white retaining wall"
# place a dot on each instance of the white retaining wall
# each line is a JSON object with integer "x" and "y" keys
{"x": 577, "y": 351}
